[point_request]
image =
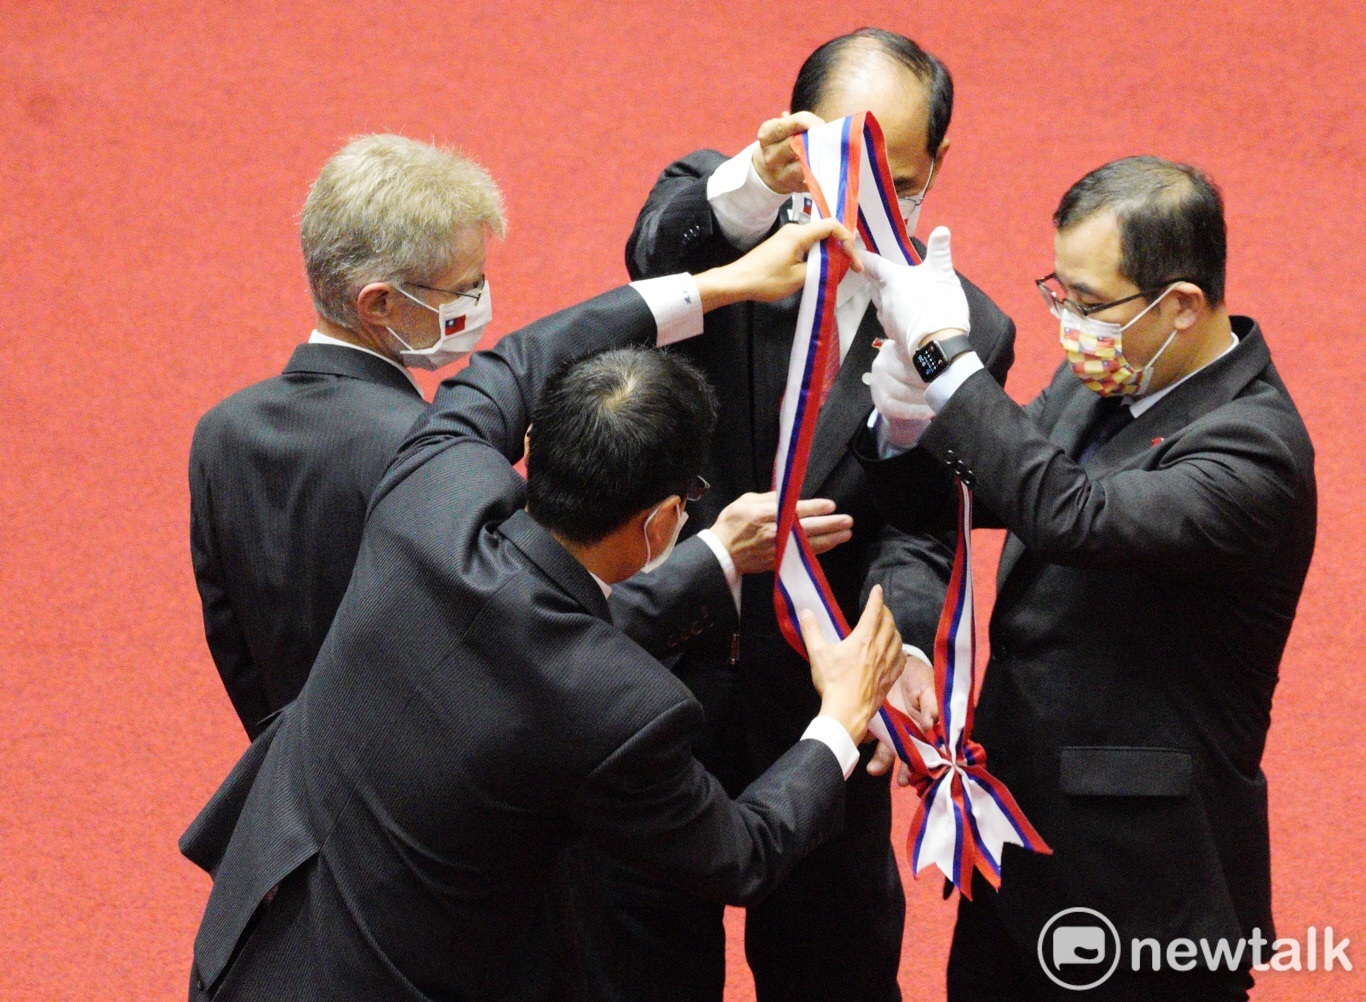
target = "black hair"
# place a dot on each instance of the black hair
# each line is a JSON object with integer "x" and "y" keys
{"x": 1170, "y": 217}
{"x": 612, "y": 435}
{"x": 822, "y": 65}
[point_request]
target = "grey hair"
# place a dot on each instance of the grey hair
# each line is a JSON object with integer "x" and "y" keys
{"x": 388, "y": 209}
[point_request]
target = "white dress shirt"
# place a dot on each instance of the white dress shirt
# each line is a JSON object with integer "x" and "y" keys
{"x": 746, "y": 208}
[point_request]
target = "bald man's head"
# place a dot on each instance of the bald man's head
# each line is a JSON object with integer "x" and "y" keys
{"x": 872, "y": 59}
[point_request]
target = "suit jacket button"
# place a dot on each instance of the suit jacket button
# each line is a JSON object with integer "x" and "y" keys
{"x": 696, "y": 629}
{"x": 950, "y": 455}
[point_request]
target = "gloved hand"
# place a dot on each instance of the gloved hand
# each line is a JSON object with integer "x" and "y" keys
{"x": 915, "y": 301}
{"x": 899, "y": 395}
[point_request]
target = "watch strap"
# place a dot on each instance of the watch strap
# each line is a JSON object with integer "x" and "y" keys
{"x": 954, "y": 346}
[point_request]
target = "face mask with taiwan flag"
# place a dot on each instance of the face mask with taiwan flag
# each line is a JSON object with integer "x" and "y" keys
{"x": 461, "y": 321}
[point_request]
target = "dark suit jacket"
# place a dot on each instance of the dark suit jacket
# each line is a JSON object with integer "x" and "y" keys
{"x": 1142, "y": 608}
{"x": 745, "y": 356}
{"x": 472, "y": 710}
{"x": 280, "y": 476}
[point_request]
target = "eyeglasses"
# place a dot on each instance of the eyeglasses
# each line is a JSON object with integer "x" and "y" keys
{"x": 476, "y": 294}
{"x": 697, "y": 490}
{"x": 1055, "y": 296}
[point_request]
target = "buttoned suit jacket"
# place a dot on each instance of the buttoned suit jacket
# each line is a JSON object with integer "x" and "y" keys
{"x": 744, "y": 354}
{"x": 1143, "y": 604}
{"x": 280, "y": 476}
{"x": 471, "y": 711}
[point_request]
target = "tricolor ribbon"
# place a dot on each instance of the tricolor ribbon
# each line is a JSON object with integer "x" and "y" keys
{"x": 966, "y": 817}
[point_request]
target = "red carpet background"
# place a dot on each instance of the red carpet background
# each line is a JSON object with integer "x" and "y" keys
{"x": 153, "y": 160}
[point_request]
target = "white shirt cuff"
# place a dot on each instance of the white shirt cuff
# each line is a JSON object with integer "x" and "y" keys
{"x": 743, "y": 205}
{"x": 946, "y": 385}
{"x": 831, "y": 733}
{"x": 676, "y": 304}
{"x": 895, "y": 437}
{"x": 727, "y": 564}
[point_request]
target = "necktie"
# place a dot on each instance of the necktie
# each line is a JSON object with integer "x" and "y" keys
{"x": 1111, "y": 418}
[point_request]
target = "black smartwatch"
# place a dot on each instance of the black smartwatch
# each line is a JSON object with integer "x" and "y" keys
{"x": 935, "y": 357}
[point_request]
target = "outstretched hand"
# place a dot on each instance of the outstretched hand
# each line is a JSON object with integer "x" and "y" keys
{"x": 775, "y": 161}
{"x": 917, "y": 302}
{"x": 914, "y": 696}
{"x": 854, "y": 675}
{"x": 774, "y": 269}
{"x": 748, "y": 529}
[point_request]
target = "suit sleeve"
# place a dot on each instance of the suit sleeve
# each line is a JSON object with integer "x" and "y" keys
{"x": 653, "y": 805}
{"x": 676, "y": 230}
{"x": 914, "y": 491}
{"x": 1222, "y": 494}
{"x": 492, "y": 398}
{"x": 227, "y": 644}
{"x": 677, "y": 606}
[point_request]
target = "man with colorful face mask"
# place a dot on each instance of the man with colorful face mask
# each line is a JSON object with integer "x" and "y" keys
{"x": 1161, "y": 503}
{"x": 834, "y": 930}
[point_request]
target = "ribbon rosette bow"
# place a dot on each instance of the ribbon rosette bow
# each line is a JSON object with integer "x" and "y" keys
{"x": 966, "y": 816}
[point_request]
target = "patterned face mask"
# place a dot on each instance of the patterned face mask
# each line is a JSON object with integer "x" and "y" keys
{"x": 1095, "y": 351}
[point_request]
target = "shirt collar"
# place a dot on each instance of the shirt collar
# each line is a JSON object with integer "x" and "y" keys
{"x": 606, "y": 588}
{"x": 318, "y": 337}
{"x": 1138, "y": 405}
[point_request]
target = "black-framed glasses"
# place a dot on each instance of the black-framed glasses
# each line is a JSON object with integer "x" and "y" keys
{"x": 1055, "y": 296}
{"x": 476, "y": 294}
{"x": 697, "y": 490}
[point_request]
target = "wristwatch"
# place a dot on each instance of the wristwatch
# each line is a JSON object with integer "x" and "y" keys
{"x": 935, "y": 357}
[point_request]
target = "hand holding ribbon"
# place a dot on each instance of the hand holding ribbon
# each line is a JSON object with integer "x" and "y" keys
{"x": 917, "y": 301}
{"x": 966, "y": 816}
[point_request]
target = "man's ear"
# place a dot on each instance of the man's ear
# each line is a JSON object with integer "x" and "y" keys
{"x": 376, "y": 304}
{"x": 1191, "y": 304}
{"x": 661, "y": 530}
{"x": 939, "y": 163}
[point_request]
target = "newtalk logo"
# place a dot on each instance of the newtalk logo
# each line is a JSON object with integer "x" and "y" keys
{"x": 1080, "y": 949}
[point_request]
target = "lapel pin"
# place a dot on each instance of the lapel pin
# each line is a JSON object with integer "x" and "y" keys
{"x": 1158, "y": 440}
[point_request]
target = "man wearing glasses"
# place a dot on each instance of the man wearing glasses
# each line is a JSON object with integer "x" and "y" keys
{"x": 281, "y": 473}
{"x": 1160, "y": 498}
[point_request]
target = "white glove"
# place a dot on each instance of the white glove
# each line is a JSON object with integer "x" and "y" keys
{"x": 899, "y": 396}
{"x": 914, "y": 301}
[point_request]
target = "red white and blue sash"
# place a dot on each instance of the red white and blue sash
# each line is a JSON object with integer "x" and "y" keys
{"x": 966, "y": 817}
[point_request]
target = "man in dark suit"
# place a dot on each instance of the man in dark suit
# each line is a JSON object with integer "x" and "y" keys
{"x": 281, "y": 472}
{"x": 1161, "y": 503}
{"x": 833, "y": 931}
{"x": 473, "y": 709}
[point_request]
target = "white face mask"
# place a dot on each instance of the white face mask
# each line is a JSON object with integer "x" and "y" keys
{"x": 653, "y": 563}
{"x": 910, "y": 207}
{"x": 462, "y": 322}
{"x": 1095, "y": 351}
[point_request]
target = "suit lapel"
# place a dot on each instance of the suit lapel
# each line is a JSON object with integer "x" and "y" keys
{"x": 1212, "y": 387}
{"x": 543, "y": 550}
{"x": 846, "y": 408}
{"x": 1208, "y": 389}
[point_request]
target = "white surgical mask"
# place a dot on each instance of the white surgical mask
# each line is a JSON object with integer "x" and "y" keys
{"x": 1095, "y": 351}
{"x": 653, "y": 563}
{"x": 462, "y": 322}
{"x": 910, "y": 207}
